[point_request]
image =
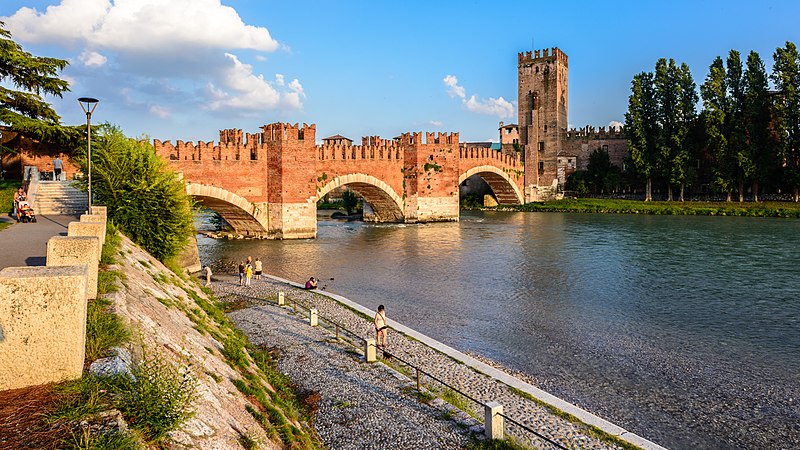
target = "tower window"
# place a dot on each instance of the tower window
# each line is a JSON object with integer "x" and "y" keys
{"x": 541, "y": 166}
{"x": 545, "y": 128}
{"x": 541, "y": 146}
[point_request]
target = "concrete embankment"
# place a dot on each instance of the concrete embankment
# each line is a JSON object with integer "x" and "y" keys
{"x": 521, "y": 400}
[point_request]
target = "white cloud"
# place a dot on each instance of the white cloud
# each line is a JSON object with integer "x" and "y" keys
{"x": 140, "y": 26}
{"x": 436, "y": 123}
{"x": 161, "y": 112}
{"x": 279, "y": 79}
{"x": 615, "y": 124}
{"x": 499, "y": 107}
{"x": 242, "y": 90}
{"x": 92, "y": 59}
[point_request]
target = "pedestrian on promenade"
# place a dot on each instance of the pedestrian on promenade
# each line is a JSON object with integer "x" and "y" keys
{"x": 380, "y": 327}
{"x": 258, "y": 268}
{"x": 19, "y": 196}
{"x": 208, "y": 275}
{"x": 58, "y": 165}
{"x": 248, "y": 273}
{"x": 241, "y": 273}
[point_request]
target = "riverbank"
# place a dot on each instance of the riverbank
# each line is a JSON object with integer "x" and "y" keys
{"x": 255, "y": 320}
{"x": 593, "y": 205}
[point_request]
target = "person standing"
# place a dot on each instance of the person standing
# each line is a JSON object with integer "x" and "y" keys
{"x": 58, "y": 165}
{"x": 241, "y": 273}
{"x": 19, "y": 196}
{"x": 208, "y": 275}
{"x": 248, "y": 273}
{"x": 380, "y": 327}
{"x": 258, "y": 268}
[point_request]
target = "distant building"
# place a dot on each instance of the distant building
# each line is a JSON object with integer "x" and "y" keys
{"x": 509, "y": 138}
{"x": 337, "y": 140}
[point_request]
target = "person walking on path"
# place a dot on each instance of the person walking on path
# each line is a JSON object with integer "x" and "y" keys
{"x": 19, "y": 196}
{"x": 248, "y": 273}
{"x": 258, "y": 268}
{"x": 241, "y": 273}
{"x": 58, "y": 165}
{"x": 380, "y": 327}
{"x": 208, "y": 275}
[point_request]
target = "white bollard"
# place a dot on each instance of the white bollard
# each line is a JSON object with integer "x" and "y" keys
{"x": 369, "y": 351}
{"x": 313, "y": 317}
{"x": 493, "y": 421}
{"x": 281, "y": 300}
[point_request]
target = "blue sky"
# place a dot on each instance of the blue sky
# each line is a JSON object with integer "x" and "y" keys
{"x": 183, "y": 69}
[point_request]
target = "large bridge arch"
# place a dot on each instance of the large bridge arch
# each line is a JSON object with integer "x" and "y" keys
{"x": 504, "y": 188}
{"x": 245, "y": 217}
{"x": 386, "y": 205}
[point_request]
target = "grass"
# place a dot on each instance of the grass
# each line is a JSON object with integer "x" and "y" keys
{"x": 457, "y": 400}
{"x": 85, "y": 440}
{"x": 593, "y": 205}
{"x": 496, "y": 444}
{"x": 7, "y": 189}
{"x": 103, "y": 329}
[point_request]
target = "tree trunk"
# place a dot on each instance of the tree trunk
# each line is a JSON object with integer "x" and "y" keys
{"x": 682, "y": 185}
{"x": 796, "y": 193}
{"x": 669, "y": 192}
{"x": 648, "y": 195}
{"x": 729, "y": 196}
{"x": 741, "y": 191}
{"x": 755, "y": 191}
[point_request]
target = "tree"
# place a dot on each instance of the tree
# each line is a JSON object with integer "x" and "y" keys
{"x": 22, "y": 107}
{"x": 145, "y": 199}
{"x": 686, "y": 128}
{"x": 667, "y": 98}
{"x": 757, "y": 116}
{"x": 602, "y": 175}
{"x": 786, "y": 76}
{"x": 642, "y": 129}
{"x": 350, "y": 201}
{"x": 735, "y": 126}
{"x": 714, "y": 92}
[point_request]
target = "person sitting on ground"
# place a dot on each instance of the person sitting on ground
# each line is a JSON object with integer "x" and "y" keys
{"x": 380, "y": 327}
{"x": 311, "y": 283}
{"x": 258, "y": 268}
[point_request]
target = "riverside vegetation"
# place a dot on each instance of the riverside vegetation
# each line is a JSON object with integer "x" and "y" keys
{"x": 594, "y": 205}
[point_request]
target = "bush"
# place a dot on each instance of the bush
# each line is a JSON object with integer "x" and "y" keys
{"x": 145, "y": 199}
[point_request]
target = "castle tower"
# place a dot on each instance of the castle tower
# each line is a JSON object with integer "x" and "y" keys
{"x": 542, "y": 99}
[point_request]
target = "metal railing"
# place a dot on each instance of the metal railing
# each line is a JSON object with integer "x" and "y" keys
{"x": 338, "y": 328}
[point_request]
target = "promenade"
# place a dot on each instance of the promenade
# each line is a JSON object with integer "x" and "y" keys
{"x": 25, "y": 244}
{"x": 371, "y": 405}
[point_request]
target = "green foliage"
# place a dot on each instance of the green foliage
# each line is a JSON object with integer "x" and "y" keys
{"x": 601, "y": 174}
{"x": 111, "y": 245}
{"x": 349, "y": 200}
{"x": 641, "y": 125}
{"x": 107, "y": 281}
{"x": 104, "y": 329}
{"x": 80, "y": 398}
{"x": 24, "y": 78}
{"x": 496, "y": 444}
{"x": 86, "y": 440}
{"x": 144, "y": 197}
{"x": 590, "y": 205}
{"x": 762, "y": 157}
{"x": 157, "y": 399}
{"x": 786, "y": 77}
{"x": 577, "y": 182}
{"x": 433, "y": 166}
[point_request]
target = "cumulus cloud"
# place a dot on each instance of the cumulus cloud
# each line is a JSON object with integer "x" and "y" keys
{"x": 436, "y": 123}
{"x": 279, "y": 79}
{"x": 243, "y": 90}
{"x": 615, "y": 124}
{"x": 140, "y": 26}
{"x": 92, "y": 59}
{"x": 499, "y": 107}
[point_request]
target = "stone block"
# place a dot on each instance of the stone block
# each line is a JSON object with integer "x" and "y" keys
{"x": 76, "y": 251}
{"x": 42, "y": 325}
{"x": 493, "y": 421}
{"x": 100, "y": 210}
{"x": 93, "y": 217}
{"x": 95, "y": 229}
{"x": 370, "y": 352}
{"x": 281, "y": 299}
{"x": 313, "y": 317}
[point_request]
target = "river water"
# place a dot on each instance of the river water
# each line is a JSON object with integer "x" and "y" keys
{"x": 685, "y": 330}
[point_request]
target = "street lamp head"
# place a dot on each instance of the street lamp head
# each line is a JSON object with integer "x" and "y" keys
{"x": 89, "y": 101}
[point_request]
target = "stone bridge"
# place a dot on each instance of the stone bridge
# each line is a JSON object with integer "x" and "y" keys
{"x": 268, "y": 183}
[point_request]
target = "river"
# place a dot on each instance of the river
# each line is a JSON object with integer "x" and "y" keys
{"x": 685, "y": 330}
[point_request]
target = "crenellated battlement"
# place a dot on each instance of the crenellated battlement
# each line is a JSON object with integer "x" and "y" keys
{"x": 475, "y": 152}
{"x": 280, "y": 131}
{"x": 554, "y": 54}
{"x": 592, "y": 133}
{"x": 383, "y": 149}
{"x": 441, "y": 138}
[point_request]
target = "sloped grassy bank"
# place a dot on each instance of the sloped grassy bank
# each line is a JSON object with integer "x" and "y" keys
{"x": 593, "y": 205}
{"x": 196, "y": 380}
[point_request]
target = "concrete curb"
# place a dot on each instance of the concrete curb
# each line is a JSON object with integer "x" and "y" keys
{"x": 583, "y": 415}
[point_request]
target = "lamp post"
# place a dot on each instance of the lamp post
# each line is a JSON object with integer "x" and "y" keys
{"x": 88, "y": 108}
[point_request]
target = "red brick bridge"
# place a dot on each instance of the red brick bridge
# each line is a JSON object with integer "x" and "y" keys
{"x": 268, "y": 183}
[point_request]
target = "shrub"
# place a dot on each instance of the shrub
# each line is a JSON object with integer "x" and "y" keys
{"x": 145, "y": 199}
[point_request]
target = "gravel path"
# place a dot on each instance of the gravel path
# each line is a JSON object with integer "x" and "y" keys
{"x": 371, "y": 405}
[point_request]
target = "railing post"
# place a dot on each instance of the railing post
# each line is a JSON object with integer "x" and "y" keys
{"x": 369, "y": 350}
{"x": 418, "y": 386}
{"x": 294, "y": 306}
{"x": 337, "y": 331}
{"x": 281, "y": 299}
{"x": 313, "y": 317}
{"x": 493, "y": 425}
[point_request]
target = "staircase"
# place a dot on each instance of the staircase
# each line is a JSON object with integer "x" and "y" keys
{"x": 59, "y": 197}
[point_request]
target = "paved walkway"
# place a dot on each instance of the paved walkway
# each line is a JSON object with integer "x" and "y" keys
{"x": 25, "y": 244}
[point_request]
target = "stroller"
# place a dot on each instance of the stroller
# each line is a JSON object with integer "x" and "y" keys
{"x": 25, "y": 211}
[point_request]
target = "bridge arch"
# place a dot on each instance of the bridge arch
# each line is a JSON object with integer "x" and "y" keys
{"x": 386, "y": 205}
{"x": 504, "y": 188}
{"x": 245, "y": 217}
